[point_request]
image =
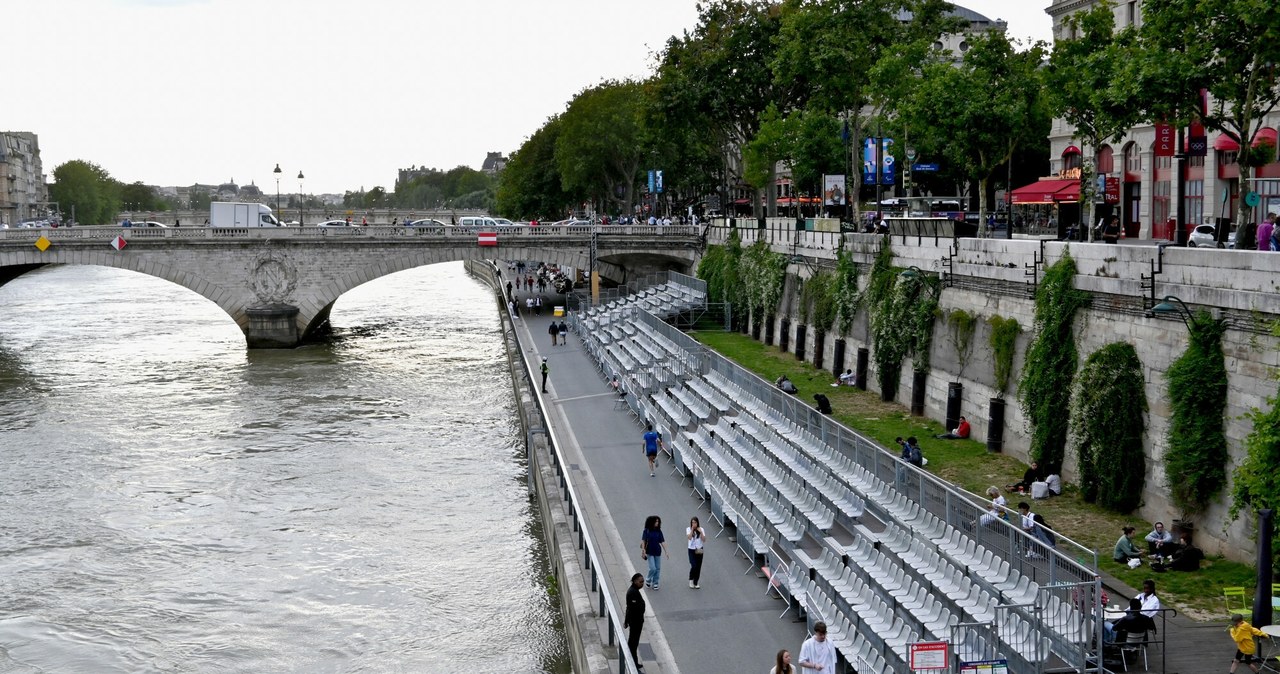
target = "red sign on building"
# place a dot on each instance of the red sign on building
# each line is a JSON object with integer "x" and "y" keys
{"x": 1166, "y": 140}
{"x": 1112, "y": 192}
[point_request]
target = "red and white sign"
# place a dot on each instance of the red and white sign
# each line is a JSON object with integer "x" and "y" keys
{"x": 928, "y": 656}
{"x": 119, "y": 243}
{"x": 1165, "y": 140}
{"x": 487, "y": 238}
{"x": 1111, "y": 193}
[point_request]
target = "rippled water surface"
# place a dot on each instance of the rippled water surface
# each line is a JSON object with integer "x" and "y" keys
{"x": 170, "y": 502}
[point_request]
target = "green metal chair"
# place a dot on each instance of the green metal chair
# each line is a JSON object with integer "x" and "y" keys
{"x": 1236, "y": 593}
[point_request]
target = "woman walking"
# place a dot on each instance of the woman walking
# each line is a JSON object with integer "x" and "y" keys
{"x": 782, "y": 663}
{"x": 652, "y": 548}
{"x": 697, "y": 544}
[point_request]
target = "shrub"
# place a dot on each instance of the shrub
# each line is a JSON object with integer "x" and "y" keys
{"x": 1108, "y": 413}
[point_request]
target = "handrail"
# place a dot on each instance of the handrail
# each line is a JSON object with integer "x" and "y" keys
{"x": 608, "y": 606}
{"x": 575, "y": 233}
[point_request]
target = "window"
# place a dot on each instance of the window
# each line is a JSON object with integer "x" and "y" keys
{"x": 1132, "y": 159}
{"x": 1193, "y": 200}
{"x": 1132, "y": 13}
{"x": 1106, "y": 160}
{"x": 1160, "y": 202}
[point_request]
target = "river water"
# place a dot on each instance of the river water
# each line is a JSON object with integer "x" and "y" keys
{"x": 171, "y": 502}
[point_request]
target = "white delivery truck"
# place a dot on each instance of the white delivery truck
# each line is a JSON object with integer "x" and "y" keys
{"x": 234, "y": 214}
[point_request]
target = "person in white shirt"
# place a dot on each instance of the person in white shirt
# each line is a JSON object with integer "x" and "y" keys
{"x": 1142, "y": 620}
{"x": 697, "y": 537}
{"x": 817, "y": 654}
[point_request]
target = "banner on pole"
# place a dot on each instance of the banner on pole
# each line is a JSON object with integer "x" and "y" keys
{"x": 1165, "y": 140}
{"x": 833, "y": 190}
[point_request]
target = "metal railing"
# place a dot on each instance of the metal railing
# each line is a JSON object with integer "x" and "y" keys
{"x": 308, "y": 232}
{"x": 608, "y": 607}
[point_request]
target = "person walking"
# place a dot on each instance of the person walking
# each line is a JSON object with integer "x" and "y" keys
{"x": 653, "y": 546}
{"x": 554, "y": 332}
{"x": 633, "y": 618}
{"x": 817, "y": 654}
{"x": 564, "y": 333}
{"x": 652, "y": 442}
{"x": 545, "y": 369}
{"x": 697, "y": 537}
{"x": 1246, "y": 648}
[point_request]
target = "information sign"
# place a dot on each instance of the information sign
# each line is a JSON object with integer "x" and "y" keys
{"x": 985, "y": 667}
{"x": 928, "y": 656}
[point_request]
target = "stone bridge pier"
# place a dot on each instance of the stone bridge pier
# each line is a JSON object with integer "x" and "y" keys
{"x": 279, "y": 285}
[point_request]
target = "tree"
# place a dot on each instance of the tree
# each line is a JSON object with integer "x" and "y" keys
{"x": 1227, "y": 48}
{"x": 1090, "y": 90}
{"x": 140, "y": 197}
{"x": 598, "y": 152}
{"x": 1195, "y": 458}
{"x": 977, "y": 113}
{"x": 530, "y": 185}
{"x": 1108, "y": 411}
{"x": 87, "y": 189}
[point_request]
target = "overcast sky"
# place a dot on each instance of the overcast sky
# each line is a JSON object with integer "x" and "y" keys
{"x": 174, "y": 92}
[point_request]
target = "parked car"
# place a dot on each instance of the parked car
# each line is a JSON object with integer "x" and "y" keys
{"x": 1207, "y": 236}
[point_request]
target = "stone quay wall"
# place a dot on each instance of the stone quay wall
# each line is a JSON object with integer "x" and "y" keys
{"x": 988, "y": 277}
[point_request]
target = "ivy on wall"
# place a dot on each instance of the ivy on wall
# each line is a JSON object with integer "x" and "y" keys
{"x": 902, "y": 318}
{"x": 762, "y": 273}
{"x": 1050, "y": 367}
{"x": 1108, "y": 413}
{"x": 1004, "y": 341}
{"x": 719, "y": 268}
{"x": 962, "y": 325}
{"x": 1195, "y": 460}
{"x": 846, "y": 291}
{"x": 1256, "y": 480}
{"x": 818, "y": 304}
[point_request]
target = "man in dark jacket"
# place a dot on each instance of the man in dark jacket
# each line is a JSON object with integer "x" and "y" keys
{"x": 633, "y": 620}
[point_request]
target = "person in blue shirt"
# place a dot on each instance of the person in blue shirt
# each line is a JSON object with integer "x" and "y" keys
{"x": 652, "y": 442}
{"x": 653, "y": 547}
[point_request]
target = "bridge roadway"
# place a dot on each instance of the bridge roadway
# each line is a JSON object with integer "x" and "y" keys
{"x": 280, "y": 283}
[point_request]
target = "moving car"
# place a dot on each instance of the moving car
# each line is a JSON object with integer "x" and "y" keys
{"x": 426, "y": 222}
{"x": 149, "y": 223}
{"x": 333, "y": 223}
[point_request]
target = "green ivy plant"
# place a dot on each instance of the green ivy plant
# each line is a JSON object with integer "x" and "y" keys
{"x": 1050, "y": 367}
{"x": 962, "y": 325}
{"x": 719, "y": 267}
{"x": 762, "y": 273}
{"x": 1108, "y": 413}
{"x": 818, "y": 303}
{"x": 846, "y": 291}
{"x": 1256, "y": 481}
{"x": 902, "y": 319}
{"x": 1004, "y": 341}
{"x": 1195, "y": 458}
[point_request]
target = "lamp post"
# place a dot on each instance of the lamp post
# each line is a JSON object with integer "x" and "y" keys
{"x": 301, "y": 202}
{"x": 911, "y": 183}
{"x": 277, "y": 172}
{"x": 1172, "y": 305}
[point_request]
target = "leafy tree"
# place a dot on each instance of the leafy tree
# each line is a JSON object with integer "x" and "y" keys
{"x": 598, "y": 151}
{"x": 1086, "y": 76}
{"x": 199, "y": 199}
{"x": 1108, "y": 412}
{"x": 140, "y": 197}
{"x": 977, "y": 113}
{"x": 530, "y": 186}
{"x": 87, "y": 189}
{"x": 1228, "y": 48}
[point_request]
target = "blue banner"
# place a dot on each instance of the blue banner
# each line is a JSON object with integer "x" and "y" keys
{"x": 652, "y": 181}
{"x": 658, "y": 181}
{"x": 872, "y": 159}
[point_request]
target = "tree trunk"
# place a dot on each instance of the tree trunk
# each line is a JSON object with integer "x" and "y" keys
{"x": 982, "y": 206}
{"x": 1246, "y": 232}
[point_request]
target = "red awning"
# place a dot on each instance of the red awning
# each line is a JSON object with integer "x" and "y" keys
{"x": 1265, "y": 133}
{"x": 1071, "y": 149}
{"x": 1069, "y": 192}
{"x": 1225, "y": 143}
{"x": 1044, "y": 191}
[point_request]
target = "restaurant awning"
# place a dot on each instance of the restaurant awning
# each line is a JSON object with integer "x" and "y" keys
{"x": 1069, "y": 192}
{"x": 1045, "y": 191}
{"x": 1225, "y": 143}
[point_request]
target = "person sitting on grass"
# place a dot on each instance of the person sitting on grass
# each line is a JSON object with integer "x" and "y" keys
{"x": 786, "y": 386}
{"x": 1125, "y": 549}
{"x": 960, "y": 432}
{"x": 824, "y": 403}
{"x": 845, "y": 379}
{"x": 1032, "y": 475}
{"x": 1159, "y": 541}
{"x": 1186, "y": 557}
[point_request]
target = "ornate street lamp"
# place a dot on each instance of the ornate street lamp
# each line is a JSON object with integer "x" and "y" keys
{"x": 1172, "y": 305}
{"x": 277, "y": 172}
{"x": 301, "y": 202}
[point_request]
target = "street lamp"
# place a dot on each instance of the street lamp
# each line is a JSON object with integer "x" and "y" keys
{"x": 277, "y": 172}
{"x": 918, "y": 275}
{"x": 301, "y": 203}
{"x": 1172, "y": 305}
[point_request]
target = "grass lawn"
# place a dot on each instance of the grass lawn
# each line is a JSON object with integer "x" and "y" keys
{"x": 968, "y": 464}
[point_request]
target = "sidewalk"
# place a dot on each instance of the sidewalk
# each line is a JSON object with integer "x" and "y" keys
{"x": 728, "y": 625}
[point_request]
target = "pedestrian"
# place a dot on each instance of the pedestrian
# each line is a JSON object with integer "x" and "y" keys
{"x": 817, "y": 654}
{"x": 653, "y": 546}
{"x": 511, "y": 306}
{"x": 545, "y": 369}
{"x": 652, "y": 441}
{"x": 508, "y": 288}
{"x": 917, "y": 455}
{"x": 1243, "y": 634}
{"x": 564, "y": 333}
{"x": 554, "y": 331}
{"x": 633, "y": 619}
{"x": 528, "y": 305}
{"x": 537, "y": 306}
{"x": 1111, "y": 230}
{"x": 782, "y": 663}
{"x": 697, "y": 537}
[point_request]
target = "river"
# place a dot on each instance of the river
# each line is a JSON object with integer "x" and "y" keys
{"x": 171, "y": 502}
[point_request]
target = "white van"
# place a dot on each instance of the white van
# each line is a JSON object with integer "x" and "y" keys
{"x": 478, "y": 221}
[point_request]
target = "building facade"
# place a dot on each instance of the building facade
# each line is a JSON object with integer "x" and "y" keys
{"x": 1148, "y": 184}
{"x": 23, "y": 195}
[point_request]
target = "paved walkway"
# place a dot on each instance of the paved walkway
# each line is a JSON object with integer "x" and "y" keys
{"x": 729, "y": 625}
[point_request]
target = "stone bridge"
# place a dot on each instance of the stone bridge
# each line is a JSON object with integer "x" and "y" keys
{"x": 279, "y": 284}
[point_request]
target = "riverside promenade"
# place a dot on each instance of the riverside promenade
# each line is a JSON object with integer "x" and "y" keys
{"x": 729, "y": 625}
